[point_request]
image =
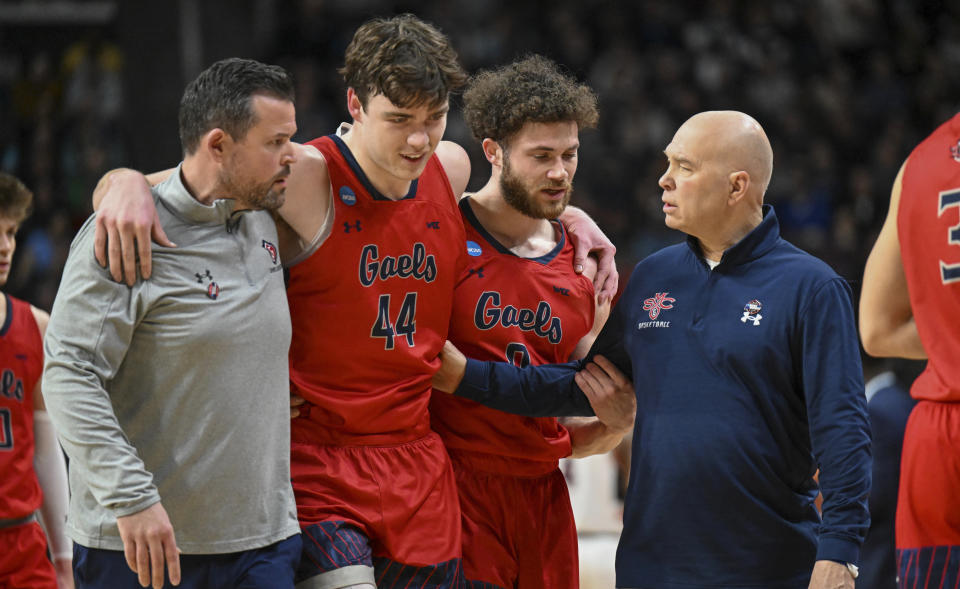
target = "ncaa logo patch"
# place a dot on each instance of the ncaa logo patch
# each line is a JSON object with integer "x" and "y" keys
{"x": 347, "y": 196}
{"x": 474, "y": 249}
{"x": 751, "y": 312}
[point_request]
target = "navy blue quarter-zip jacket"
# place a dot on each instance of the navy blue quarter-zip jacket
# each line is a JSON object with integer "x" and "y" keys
{"x": 748, "y": 379}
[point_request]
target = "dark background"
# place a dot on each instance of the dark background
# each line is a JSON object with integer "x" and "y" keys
{"x": 844, "y": 89}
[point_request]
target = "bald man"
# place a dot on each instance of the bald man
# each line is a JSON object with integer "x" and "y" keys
{"x": 746, "y": 365}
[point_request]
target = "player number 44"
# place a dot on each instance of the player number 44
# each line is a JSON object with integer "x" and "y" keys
{"x": 404, "y": 326}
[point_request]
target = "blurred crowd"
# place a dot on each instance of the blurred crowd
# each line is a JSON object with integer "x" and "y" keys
{"x": 844, "y": 89}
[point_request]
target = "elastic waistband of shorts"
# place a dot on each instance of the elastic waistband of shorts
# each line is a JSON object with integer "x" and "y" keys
{"x": 305, "y": 431}
{"x": 12, "y": 523}
{"x": 501, "y": 465}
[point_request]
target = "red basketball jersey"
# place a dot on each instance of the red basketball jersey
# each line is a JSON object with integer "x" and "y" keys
{"x": 522, "y": 310}
{"x": 21, "y": 364}
{"x": 371, "y": 306}
{"x": 928, "y": 224}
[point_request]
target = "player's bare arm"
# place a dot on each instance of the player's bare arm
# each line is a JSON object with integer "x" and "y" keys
{"x": 51, "y": 472}
{"x": 887, "y": 326}
{"x": 307, "y": 198}
{"x": 587, "y": 237}
{"x": 600, "y": 313}
{"x": 589, "y": 435}
{"x": 127, "y": 217}
{"x": 126, "y": 221}
{"x": 456, "y": 163}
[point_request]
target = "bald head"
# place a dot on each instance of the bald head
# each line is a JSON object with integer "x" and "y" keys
{"x": 718, "y": 168}
{"x": 735, "y": 140}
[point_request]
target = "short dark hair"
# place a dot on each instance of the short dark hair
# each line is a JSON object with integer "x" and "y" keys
{"x": 221, "y": 95}
{"x": 16, "y": 200}
{"x": 404, "y": 58}
{"x": 497, "y": 103}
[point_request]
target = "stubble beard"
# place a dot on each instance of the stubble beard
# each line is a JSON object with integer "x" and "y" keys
{"x": 253, "y": 195}
{"x": 519, "y": 196}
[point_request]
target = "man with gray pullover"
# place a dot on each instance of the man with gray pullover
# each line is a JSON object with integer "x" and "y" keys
{"x": 171, "y": 397}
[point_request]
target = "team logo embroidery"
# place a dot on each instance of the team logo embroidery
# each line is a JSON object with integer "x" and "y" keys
{"x": 751, "y": 312}
{"x": 271, "y": 249}
{"x": 474, "y": 249}
{"x": 213, "y": 289}
{"x": 656, "y": 303}
{"x": 955, "y": 151}
{"x": 347, "y": 196}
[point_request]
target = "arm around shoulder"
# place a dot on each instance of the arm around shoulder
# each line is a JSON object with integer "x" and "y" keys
{"x": 306, "y": 201}
{"x": 456, "y": 163}
{"x": 126, "y": 222}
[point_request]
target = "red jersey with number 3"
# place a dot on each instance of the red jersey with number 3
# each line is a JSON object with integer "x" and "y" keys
{"x": 928, "y": 225}
{"x": 21, "y": 364}
{"x": 371, "y": 306}
{"x": 520, "y": 310}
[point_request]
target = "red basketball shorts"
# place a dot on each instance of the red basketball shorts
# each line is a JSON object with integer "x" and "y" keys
{"x": 23, "y": 558}
{"x": 928, "y": 506}
{"x": 518, "y": 531}
{"x": 402, "y": 497}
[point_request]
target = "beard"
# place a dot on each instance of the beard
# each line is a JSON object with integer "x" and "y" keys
{"x": 255, "y": 195}
{"x": 524, "y": 198}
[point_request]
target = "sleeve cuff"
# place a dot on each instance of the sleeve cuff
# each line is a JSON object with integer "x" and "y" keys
{"x": 838, "y": 550}
{"x": 132, "y": 508}
{"x": 474, "y": 385}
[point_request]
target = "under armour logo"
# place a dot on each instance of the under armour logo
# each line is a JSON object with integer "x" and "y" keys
{"x": 213, "y": 289}
{"x": 433, "y": 225}
{"x": 564, "y": 291}
{"x": 477, "y": 271}
{"x": 347, "y": 226}
{"x": 233, "y": 223}
{"x": 751, "y": 312}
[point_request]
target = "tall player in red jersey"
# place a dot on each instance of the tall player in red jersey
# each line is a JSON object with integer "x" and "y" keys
{"x": 911, "y": 292}
{"x": 375, "y": 492}
{"x": 519, "y": 299}
{"x": 30, "y": 457}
